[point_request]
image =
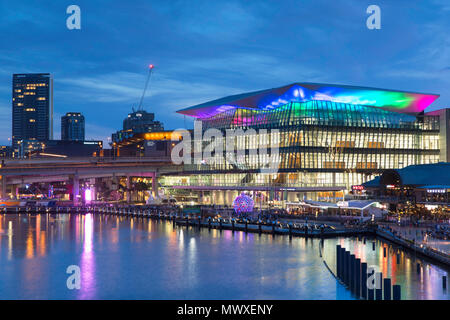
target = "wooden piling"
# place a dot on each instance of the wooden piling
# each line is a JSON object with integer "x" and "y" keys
{"x": 338, "y": 260}
{"x": 346, "y": 267}
{"x": 370, "y": 294}
{"x": 387, "y": 288}
{"x": 357, "y": 287}
{"x": 396, "y": 292}
{"x": 352, "y": 272}
{"x": 364, "y": 280}
{"x": 379, "y": 286}
{"x": 349, "y": 268}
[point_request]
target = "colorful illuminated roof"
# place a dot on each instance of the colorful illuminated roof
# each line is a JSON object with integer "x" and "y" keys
{"x": 391, "y": 100}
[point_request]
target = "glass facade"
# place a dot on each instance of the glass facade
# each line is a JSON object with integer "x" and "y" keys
{"x": 72, "y": 127}
{"x": 321, "y": 144}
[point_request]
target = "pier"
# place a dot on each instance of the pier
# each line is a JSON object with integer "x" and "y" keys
{"x": 172, "y": 214}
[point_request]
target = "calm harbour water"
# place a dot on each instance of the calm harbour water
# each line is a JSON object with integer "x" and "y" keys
{"x": 130, "y": 258}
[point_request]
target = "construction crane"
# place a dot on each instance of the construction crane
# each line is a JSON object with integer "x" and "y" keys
{"x": 150, "y": 71}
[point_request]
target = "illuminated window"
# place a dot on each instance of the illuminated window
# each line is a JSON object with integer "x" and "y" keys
{"x": 32, "y": 120}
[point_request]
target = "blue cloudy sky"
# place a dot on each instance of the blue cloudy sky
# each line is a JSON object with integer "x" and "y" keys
{"x": 208, "y": 49}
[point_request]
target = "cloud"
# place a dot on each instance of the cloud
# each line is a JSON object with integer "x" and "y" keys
{"x": 412, "y": 73}
{"x": 5, "y": 123}
{"x": 110, "y": 87}
{"x": 98, "y": 132}
{"x": 216, "y": 21}
{"x": 178, "y": 86}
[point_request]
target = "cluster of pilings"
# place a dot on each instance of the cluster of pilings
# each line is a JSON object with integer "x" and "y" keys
{"x": 358, "y": 278}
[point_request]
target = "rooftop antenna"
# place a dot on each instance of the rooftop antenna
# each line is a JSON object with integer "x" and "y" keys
{"x": 150, "y": 71}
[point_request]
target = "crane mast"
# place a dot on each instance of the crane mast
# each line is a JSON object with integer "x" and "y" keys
{"x": 150, "y": 71}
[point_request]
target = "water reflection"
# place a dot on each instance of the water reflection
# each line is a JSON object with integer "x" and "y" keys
{"x": 134, "y": 258}
{"x": 87, "y": 261}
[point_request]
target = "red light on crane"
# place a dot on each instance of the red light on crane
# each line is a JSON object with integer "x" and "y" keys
{"x": 151, "y": 66}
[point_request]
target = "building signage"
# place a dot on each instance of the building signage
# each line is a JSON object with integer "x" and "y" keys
{"x": 436, "y": 190}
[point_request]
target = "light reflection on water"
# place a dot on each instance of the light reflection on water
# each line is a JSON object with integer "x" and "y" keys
{"x": 128, "y": 258}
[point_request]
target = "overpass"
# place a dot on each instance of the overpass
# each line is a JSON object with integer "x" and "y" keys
{"x": 22, "y": 171}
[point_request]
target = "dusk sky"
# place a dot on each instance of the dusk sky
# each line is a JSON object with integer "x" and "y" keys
{"x": 204, "y": 50}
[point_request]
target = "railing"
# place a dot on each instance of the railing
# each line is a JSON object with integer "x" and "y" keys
{"x": 93, "y": 159}
{"x": 416, "y": 246}
{"x": 265, "y": 185}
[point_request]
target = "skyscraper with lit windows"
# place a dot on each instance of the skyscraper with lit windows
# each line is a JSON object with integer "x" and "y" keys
{"x": 32, "y": 107}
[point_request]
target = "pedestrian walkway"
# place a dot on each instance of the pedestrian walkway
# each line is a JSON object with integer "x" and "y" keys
{"x": 420, "y": 235}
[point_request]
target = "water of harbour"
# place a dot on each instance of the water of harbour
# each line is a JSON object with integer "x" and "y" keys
{"x": 135, "y": 258}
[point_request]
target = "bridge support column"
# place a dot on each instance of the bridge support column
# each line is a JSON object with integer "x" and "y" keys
{"x": 230, "y": 198}
{"x": 76, "y": 189}
{"x": 154, "y": 185}
{"x": 128, "y": 189}
{"x": 94, "y": 188}
{"x": 3, "y": 187}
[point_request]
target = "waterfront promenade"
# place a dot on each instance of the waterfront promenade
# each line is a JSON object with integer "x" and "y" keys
{"x": 421, "y": 236}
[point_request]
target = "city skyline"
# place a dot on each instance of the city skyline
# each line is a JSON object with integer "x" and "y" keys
{"x": 227, "y": 158}
{"x": 108, "y": 75}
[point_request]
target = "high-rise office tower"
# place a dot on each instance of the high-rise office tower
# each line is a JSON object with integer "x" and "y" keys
{"x": 72, "y": 126}
{"x": 32, "y": 107}
{"x": 139, "y": 121}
